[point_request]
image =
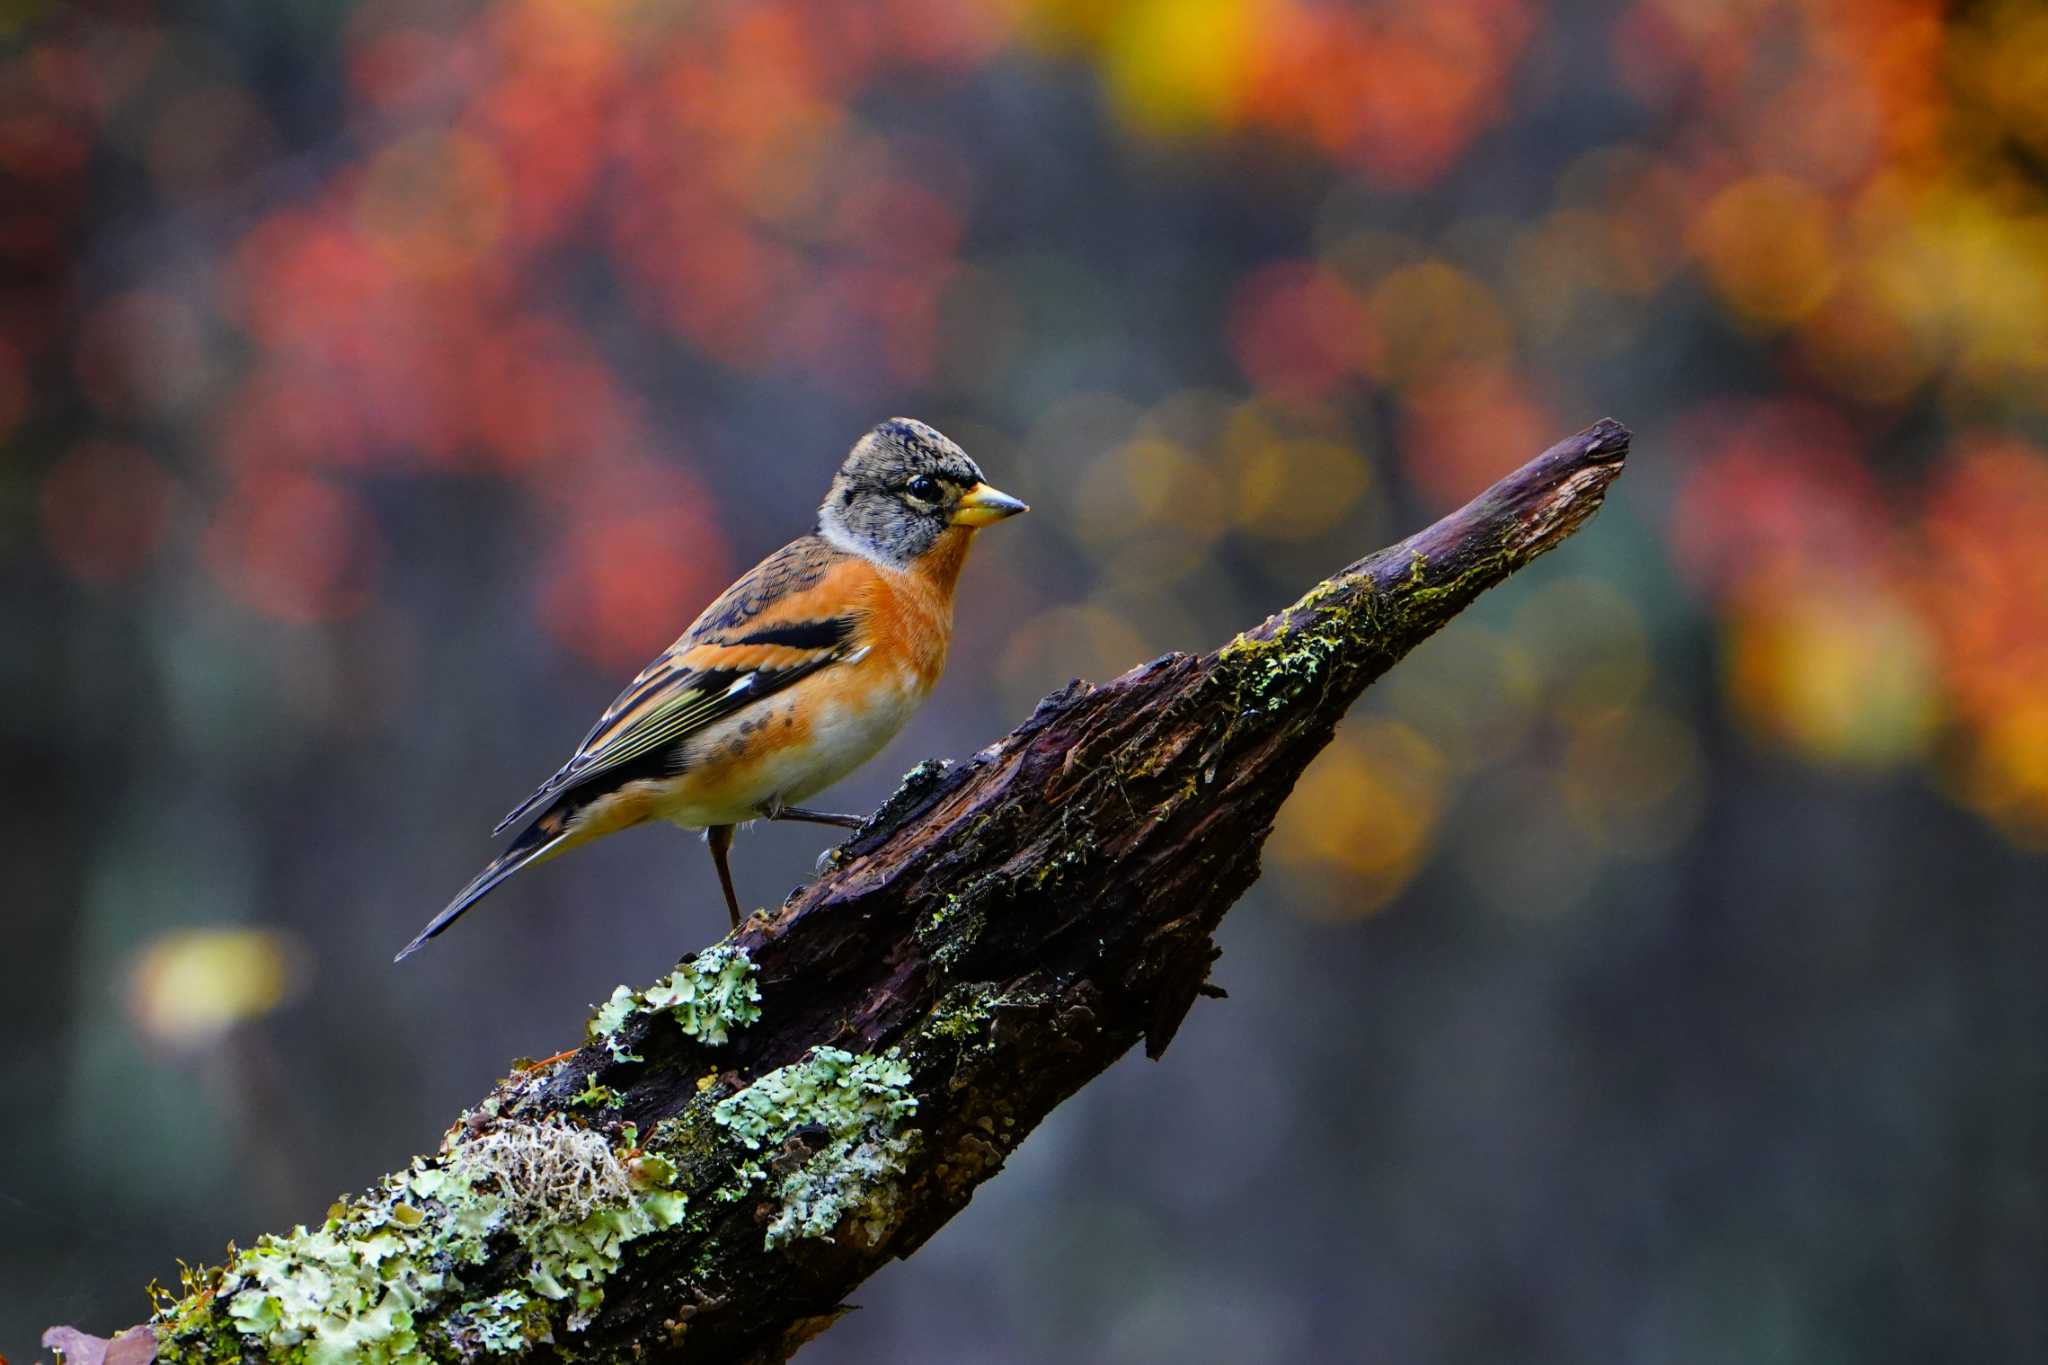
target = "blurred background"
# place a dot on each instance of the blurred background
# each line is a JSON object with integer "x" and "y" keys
{"x": 1651, "y": 970}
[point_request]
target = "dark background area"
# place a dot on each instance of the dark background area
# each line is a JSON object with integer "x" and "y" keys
{"x": 1651, "y": 970}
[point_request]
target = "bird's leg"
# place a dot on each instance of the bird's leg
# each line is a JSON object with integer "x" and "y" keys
{"x": 719, "y": 837}
{"x": 816, "y": 817}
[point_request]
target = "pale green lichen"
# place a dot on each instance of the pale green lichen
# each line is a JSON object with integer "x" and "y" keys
{"x": 709, "y": 996}
{"x": 340, "y": 1293}
{"x": 861, "y": 1104}
{"x": 611, "y": 1016}
{"x": 851, "y": 1188}
{"x": 355, "y": 1288}
{"x": 499, "y": 1322}
{"x": 829, "y": 1086}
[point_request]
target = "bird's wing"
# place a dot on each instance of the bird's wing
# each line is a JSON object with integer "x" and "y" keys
{"x": 796, "y": 612}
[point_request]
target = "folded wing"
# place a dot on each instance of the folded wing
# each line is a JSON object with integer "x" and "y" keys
{"x": 787, "y": 619}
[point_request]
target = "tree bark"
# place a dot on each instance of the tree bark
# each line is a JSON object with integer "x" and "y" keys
{"x": 995, "y": 936}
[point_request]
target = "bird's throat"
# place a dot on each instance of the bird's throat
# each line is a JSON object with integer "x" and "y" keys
{"x": 940, "y": 566}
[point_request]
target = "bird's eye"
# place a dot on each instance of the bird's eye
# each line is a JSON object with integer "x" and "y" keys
{"x": 924, "y": 488}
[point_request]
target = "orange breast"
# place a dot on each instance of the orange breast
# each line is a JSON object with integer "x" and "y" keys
{"x": 910, "y": 617}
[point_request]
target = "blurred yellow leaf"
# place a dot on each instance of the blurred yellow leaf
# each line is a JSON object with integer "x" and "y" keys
{"x": 190, "y": 986}
{"x": 1843, "y": 675}
{"x": 1768, "y": 247}
{"x": 1178, "y": 66}
{"x": 1367, "y": 809}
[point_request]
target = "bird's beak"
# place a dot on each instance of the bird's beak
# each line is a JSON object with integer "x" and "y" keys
{"x": 981, "y": 505}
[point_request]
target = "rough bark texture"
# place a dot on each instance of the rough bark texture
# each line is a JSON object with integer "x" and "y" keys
{"x": 998, "y": 934}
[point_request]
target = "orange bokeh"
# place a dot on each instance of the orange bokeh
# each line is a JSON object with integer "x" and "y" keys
{"x": 298, "y": 548}
{"x": 1398, "y": 92}
{"x": 1299, "y": 331}
{"x": 1984, "y": 579}
{"x": 1467, "y": 426}
{"x": 530, "y": 208}
{"x": 1775, "y": 487}
{"x": 621, "y": 585}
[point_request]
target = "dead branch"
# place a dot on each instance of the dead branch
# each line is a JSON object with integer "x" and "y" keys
{"x": 740, "y": 1145}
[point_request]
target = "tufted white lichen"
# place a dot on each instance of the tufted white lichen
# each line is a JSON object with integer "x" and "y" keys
{"x": 544, "y": 1170}
{"x": 351, "y": 1289}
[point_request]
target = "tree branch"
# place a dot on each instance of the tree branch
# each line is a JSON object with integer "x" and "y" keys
{"x": 741, "y": 1144}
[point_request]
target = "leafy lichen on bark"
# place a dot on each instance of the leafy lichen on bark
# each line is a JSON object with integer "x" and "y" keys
{"x": 739, "y": 1145}
{"x": 384, "y": 1277}
{"x": 708, "y": 996}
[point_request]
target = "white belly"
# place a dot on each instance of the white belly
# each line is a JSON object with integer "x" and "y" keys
{"x": 743, "y": 767}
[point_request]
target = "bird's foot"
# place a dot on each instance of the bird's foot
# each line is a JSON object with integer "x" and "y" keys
{"x": 814, "y": 817}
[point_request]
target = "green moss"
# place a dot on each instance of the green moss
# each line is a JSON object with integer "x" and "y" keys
{"x": 953, "y": 930}
{"x": 963, "y": 1013}
{"x": 709, "y": 996}
{"x": 1079, "y": 852}
{"x": 1341, "y": 620}
{"x": 1312, "y": 632}
{"x": 596, "y": 1096}
{"x": 1333, "y": 587}
{"x": 1267, "y": 675}
{"x": 357, "y": 1287}
{"x": 860, "y": 1104}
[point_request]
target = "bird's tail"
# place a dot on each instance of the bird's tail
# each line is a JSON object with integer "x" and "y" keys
{"x": 545, "y": 837}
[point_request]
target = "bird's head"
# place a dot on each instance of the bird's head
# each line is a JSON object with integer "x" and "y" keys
{"x": 902, "y": 486}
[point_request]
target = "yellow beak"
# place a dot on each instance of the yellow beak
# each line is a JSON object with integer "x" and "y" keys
{"x": 981, "y": 505}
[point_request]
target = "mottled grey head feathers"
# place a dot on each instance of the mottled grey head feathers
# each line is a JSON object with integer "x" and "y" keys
{"x": 897, "y": 492}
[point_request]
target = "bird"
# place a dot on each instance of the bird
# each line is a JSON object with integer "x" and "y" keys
{"x": 796, "y": 675}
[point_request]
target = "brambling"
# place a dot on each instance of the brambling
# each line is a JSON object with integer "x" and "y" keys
{"x": 798, "y": 674}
